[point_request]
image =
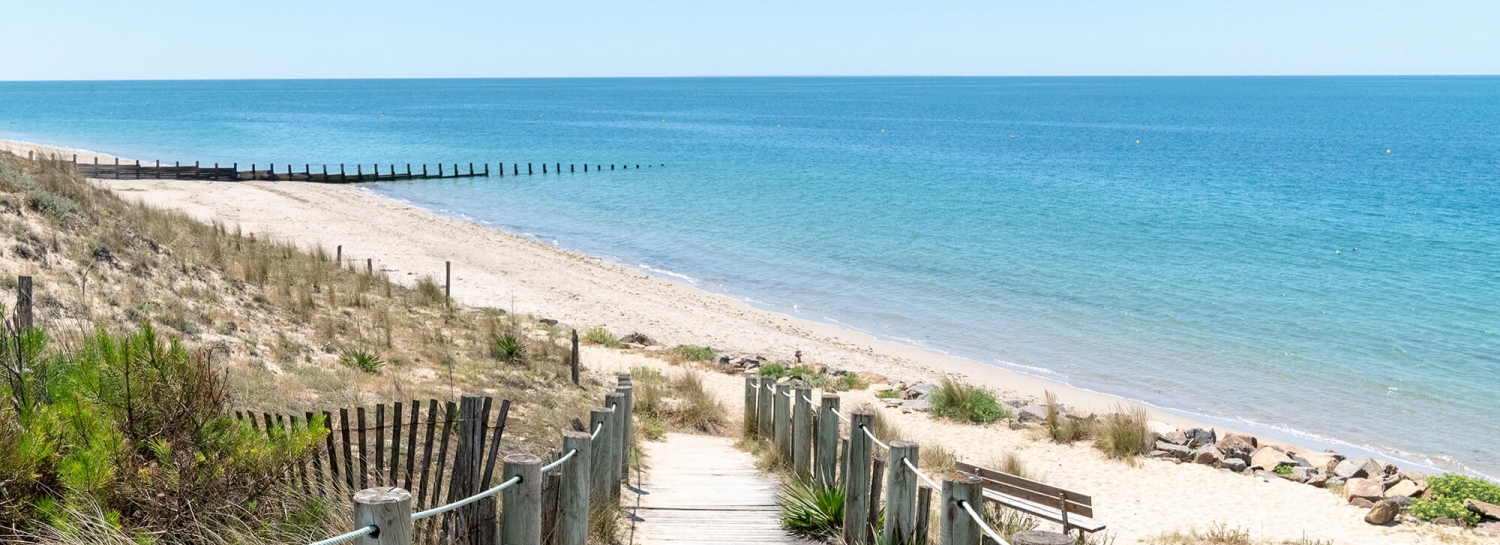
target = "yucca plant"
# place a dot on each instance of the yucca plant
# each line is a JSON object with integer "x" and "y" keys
{"x": 812, "y": 510}
{"x": 506, "y": 347}
{"x": 360, "y": 359}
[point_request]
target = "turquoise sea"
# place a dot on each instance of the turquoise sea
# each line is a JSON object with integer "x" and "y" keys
{"x": 1312, "y": 258}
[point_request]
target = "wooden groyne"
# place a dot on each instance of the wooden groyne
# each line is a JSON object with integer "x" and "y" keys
{"x": 334, "y": 174}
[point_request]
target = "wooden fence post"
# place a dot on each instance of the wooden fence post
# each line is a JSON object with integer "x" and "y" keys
{"x": 575, "y": 354}
{"x": 856, "y": 481}
{"x": 783, "y": 424}
{"x": 627, "y": 431}
{"x": 957, "y": 527}
{"x": 448, "y": 281}
{"x": 573, "y": 496}
{"x": 747, "y": 424}
{"x": 802, "y": 435}
{"x": 900, "y": 494}
{"x": 23, "y": 303}
{"x": 468, "y": 461}
{"x": 763, "y": 406}
{"x": 521, "y": 504}
{"x": 924, "y": 514}
{"x": 388, "y": 509}
{"x": 599, "y": 459}
{"x": 616, "y": 443}
{"x": 828, "y": 440}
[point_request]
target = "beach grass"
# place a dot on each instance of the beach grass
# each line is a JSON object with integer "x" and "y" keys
{"x": 1125, "y": 433}
{"x": 963, "y": 402}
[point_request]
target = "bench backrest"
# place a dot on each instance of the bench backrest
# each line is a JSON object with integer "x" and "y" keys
{"x": 1029, "y": 490}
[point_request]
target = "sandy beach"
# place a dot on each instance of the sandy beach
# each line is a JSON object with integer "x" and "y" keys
{"x": 492, "y": 268}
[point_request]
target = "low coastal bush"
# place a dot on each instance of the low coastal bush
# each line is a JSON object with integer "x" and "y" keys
{"x": 693, "y": 352}
{"x": 507, "y": 347}
{"x": 363, "y": 360}
{"x": 938, "y": 458}
{"x": 429, "y": 292}
{"x": 134, "y": 431}
{"x": 966, "y": 403}
{"x": 1447, "y": 494}
{"x": 846, "y": 382}
{"x": 1011, "y": 463}
{"x": 1125, "y": 434}
{"x": 602, "y": 337}
{"x": 810, "y": 510}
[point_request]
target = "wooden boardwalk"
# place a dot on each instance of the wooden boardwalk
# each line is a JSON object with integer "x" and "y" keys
{"x": 700, "y": 489}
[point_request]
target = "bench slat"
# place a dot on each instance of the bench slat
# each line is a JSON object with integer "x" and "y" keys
{"x": 1050, "y": 513}
{"x": 1074, "y": 508}
{"x": 1020, "y": 482}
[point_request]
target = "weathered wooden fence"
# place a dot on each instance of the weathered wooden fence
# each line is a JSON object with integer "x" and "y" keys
{"x": 541, "y": 502}
{"x": 176, "y": 171}
{"x": 809, "y": 441}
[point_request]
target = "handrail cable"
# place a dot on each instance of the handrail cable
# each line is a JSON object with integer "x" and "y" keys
{"x": 597, "y": 428}
{"x": 471, "y": 499}
{"x": 808, "y": 399}
{"x": 346, "y": 537}
{"x": 559, "y": 461}
{"x": 914, "y": 469}
{"x": 867, "y": 431}
{"x": 839, "y": 414}
{"x": 980, "y": 520}
{"x": 789, "y": 394}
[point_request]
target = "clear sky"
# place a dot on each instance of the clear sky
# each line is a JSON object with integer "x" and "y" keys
{"x": 182, "y": 39}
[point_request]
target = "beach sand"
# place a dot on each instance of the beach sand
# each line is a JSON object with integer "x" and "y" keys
{"x": 491, "y": 268}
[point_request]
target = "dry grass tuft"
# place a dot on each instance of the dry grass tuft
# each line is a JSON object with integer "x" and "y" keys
{"x": 1125, "y": 434}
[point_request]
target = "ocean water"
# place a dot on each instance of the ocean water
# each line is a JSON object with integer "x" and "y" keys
{"x": 1312, "y": 258}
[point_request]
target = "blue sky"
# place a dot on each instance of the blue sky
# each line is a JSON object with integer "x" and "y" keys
{"x": 162, "y": 39}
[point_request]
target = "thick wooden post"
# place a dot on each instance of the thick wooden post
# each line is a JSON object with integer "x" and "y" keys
{"x": 521, "y": 504}
{"x": 627, "y": 437}
{"x": 856, "y": 481}
{"x": 748, "y": 422}
{"x": 387, "y": 508}
{"x": 575, "y": 352}
{"x": 802, "y": 435}
{"x": 599, "y": 459}
{"x": 763, "y": 407}
{"x": 956, "y": 526}
{"x": 900, "y": 494}
{"x": 828, "y": 440}
{"x": 23, "y": 303}
{"x": 616, "y": 443}
{"x": 573, "y": 496}
{"x": 783, "y": 424}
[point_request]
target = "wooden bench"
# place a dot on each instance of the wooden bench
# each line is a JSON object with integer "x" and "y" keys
{"x": 1071, "y": 509}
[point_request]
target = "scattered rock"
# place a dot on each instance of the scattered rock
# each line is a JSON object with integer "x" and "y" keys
{"x": 1034, "y": 412}
{"x": 1316, "y": 478}
{"x": 1491, "y": 528}
{"x": 547, "y": 321}
{"x": 1237, "y": 446}
{"x": 1209, "y": 456}
{"x": 1333, "y": 482}
{"x": 874, "y": 378}
{"x": 1445, "y": 521}
{"x": 917, "y": 404}
{"x": 1293, "y": 476}
{"x": 1415, "y": 476}
{"x": 920, "y": 389}
{"x": 1406, "y": 488}
{"x": 1235, "y": 464}
{"x": 1403, "y": 501}
{"x": 836, "y": 372}
{"x": 1160, "y": 428}
{"x": 1198, "y": 437}
{"x": 1361, "y": 468}
{"x": 1362, "y": 503}
{"x": 1369, "y": 489}
{"x": 1231, "y": 439}
{"x": 1177, "y": 451}
{"x": 1487, "y": 509}
{"x": 632, "y": 346}
{"x": 1269, "y": 459}
{"x": 1176, "y": 437}
{"x": 1383, "y": 512}
{"x": 637, "y": 338}
{"x": 1324, "y": 461}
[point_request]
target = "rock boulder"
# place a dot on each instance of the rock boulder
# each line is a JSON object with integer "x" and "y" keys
{"x": 1410, "y": 489}
{"x": 1488, "y": 510}
{"x": 1269, "y": 459}
{"x": 1367, "y": 489}
{"x": 1209, "y": 456}
{"x": 1383, "y": 512}
{"x": 1358, "y": 469}
{"x": 1234, "y": 464}
{"x": 1176, "y": 451}
{"x": 1198, "y": 437}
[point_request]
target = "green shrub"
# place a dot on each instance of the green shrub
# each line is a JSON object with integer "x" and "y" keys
{"x": 652, "y": 427}
{"x": 772, "y": 370}
{"x": 694, "y": 353}
{"x": 1283, "y": 470}
{"x": 811, "y": 510}
{"x": 966, "y": 403}
{"x": 602, "y": 337}
{"x": 430, "y": 292}
{"x": 507, "y": 347}
{"x": 888, "y": 394}
{"x": 137, "y": 429}
{"x": 846, "y": 382}
{"x": 362, "y": 360}
{"x": 1447, "y": 495}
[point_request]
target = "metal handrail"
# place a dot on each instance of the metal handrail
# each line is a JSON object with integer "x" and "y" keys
{"x": 980, "y": 520}
{"x": 346, "y": 537}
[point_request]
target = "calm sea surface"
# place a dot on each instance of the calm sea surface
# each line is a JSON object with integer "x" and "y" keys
{"x": 1315, "y": 258}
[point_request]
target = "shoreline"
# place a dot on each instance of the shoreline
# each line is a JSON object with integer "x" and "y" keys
{"x": 837, "y": 345}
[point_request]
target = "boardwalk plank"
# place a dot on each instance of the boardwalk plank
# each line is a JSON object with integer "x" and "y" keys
{"x": 701, "y": 489}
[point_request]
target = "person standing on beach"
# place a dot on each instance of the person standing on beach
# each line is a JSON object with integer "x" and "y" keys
{"x": 799, "y": 357}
